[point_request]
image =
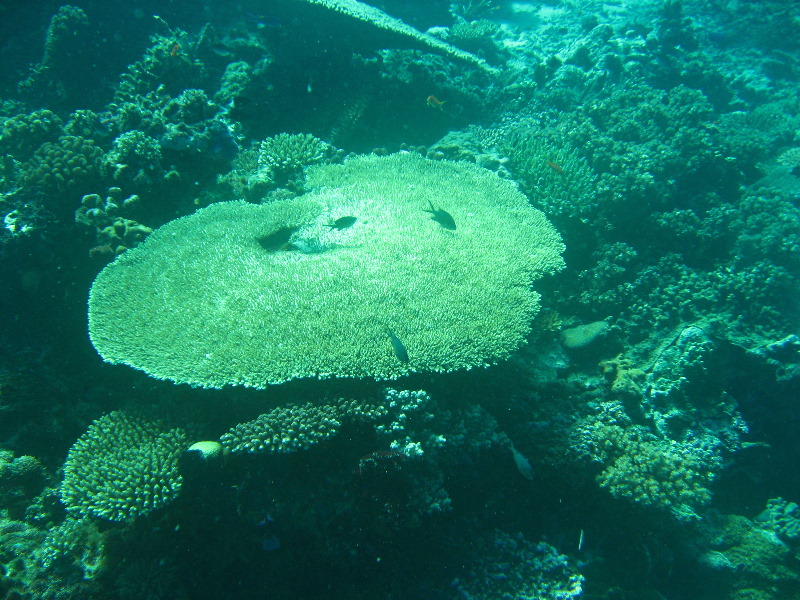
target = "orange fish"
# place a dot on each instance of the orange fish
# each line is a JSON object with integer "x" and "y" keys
{"x": 434, "y": 102}
{"x": 555, "y": 166}
{"x": 174, "y": 51}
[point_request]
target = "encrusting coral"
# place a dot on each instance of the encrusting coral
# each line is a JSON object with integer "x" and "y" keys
{"x": 121, "y": 468}
{"x": 260, "y": 295}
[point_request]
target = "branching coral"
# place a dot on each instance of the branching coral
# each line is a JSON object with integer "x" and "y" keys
{"x": 284, "y": 156}
{"x": 509, "y": 566}
{"x": 297, "y": 427}
{"x": 558, "y": 181}
{"x": 121, "y": 468}
{"x": 653, "y": 472}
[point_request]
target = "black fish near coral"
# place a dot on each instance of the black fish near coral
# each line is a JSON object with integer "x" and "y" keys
{"x": 398, "y": 347}
{"x": 442, "y": 217}
{"x": 342, "y": 223}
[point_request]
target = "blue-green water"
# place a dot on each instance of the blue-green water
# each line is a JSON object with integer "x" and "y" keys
{"x": 507, "y": 306}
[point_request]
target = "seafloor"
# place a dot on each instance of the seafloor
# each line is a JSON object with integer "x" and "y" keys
{"x": 507, "y": 306}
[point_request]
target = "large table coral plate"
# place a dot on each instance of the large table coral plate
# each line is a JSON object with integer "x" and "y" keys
{"x": 361, "y": 277}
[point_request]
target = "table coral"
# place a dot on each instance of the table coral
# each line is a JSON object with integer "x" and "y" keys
{"x": 264, "y": 294}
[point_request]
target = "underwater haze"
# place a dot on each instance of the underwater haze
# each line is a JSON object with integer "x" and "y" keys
{"x": 400, "y": 300}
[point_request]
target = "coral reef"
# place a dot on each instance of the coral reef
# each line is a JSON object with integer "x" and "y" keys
{"x": 511, "y": 566}
{"x": 739, "y": 560}
{"x": 121, "y": 468}
{"x": 101, "y": 219}
{"x": 22, "y": 134}
{"x": 649, "y": 389}
{"x": 375, "y": 17}
{"x": 557, "y": 179}
{"x": 74, "y": 545}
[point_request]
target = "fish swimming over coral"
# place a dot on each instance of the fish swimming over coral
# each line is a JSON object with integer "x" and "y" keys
{"x": 398, "y": 347}
{"x": 434, "y": 102}
{"x": 442, "y": 217}
{"x": 342, "y": 223}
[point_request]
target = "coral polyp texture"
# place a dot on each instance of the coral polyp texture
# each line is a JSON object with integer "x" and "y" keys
{"x": 300, "y": 426}
{"x": 252, "y": 295}
{"x": 121, "y": 468}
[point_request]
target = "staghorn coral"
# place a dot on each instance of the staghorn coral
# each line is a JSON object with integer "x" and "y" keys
{"x": 284, "y": 429}
{"x": 122, "y": 468}
{"x": 73, "y": 545}
{"x": 265, "y": 294}
{"x": 19, "y": 543}
{"x": 558, "y": 181}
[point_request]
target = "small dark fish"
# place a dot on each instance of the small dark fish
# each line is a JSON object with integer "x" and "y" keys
{"x": 342, "y": 223}
{"x": 399, "y": 350}
{"x": 270, "y": 543}
{"x": 442, "y": 217}
{"x": 277, "y": 240}
{"x": 265, "y": 521}
{"x": 555, "y": 166}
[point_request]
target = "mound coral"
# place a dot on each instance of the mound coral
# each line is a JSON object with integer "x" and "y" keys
{"x": 64, "y": 169}
{"x": 240, "y": 294}
{"x": 22, "y": 134}
{"x": 783, "y": 518}
{"x": 122, "y": 467}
